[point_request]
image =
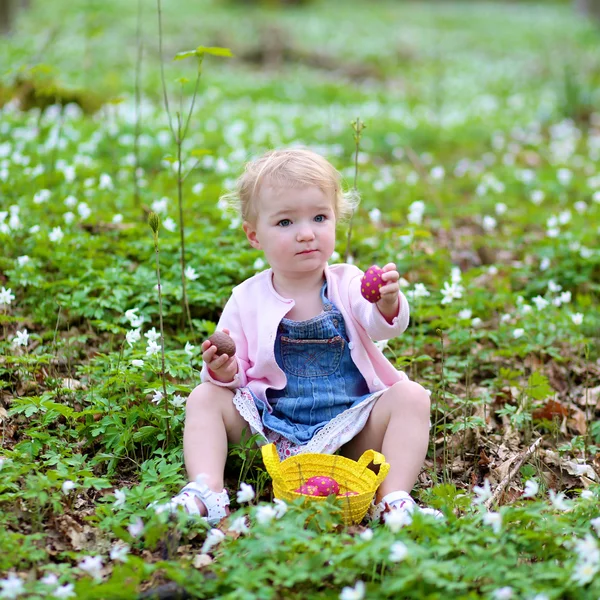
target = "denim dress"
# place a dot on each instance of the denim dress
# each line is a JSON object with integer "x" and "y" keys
{"x": 325, "y": 392}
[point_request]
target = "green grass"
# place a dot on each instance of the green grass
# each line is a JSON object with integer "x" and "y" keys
{"x": 501, "y": 96}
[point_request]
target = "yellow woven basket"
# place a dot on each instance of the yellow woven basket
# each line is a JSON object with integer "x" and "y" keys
{"x": 351, "y": 476}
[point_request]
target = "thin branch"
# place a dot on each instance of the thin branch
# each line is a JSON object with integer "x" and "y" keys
{"x": 514, "y": 470}
{"x": 162, "y": 68}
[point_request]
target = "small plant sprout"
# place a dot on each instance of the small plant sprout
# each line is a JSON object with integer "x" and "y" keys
{"x": 358, "y": 126}
{"x": 154, "y": 223}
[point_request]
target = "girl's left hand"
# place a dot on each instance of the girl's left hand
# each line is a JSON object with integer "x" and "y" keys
{"x": 389, "y": 291}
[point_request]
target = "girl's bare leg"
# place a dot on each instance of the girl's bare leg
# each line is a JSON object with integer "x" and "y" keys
{"x": 398, "y": 427}
{"x": 211, "y": 420}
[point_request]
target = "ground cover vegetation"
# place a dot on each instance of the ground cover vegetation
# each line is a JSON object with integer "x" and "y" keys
{"x": 478, "y": 171}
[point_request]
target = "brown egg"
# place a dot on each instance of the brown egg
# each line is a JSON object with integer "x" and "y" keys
{"x": 223, "y": 342}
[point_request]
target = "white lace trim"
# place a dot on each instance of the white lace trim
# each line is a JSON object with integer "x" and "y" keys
{"x": 335, "y": 434}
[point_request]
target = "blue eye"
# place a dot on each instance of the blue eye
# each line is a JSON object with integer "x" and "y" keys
{"x": 321, "y": 220}
{"x": 284, "y": 221}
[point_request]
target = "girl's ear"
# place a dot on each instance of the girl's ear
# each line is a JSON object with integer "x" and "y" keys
{"x": 250, "y": 232}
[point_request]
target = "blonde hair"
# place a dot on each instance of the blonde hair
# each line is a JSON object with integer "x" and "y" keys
{"x": 290, "y": 167}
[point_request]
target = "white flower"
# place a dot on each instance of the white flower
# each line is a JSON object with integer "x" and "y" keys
{"x": 259, "y": 264}
{"x": 503, "y": 593}
{"x": 554, "y": 287}
{"x": 587, "y": 549}
{"x": 239, "y": 525}
{"x": 64, "y": 591}
{"x": 517, "y": 333}
{"x": 420, "y": 291}
{"x": 92, "y": 565}
{"x": 398, "y": 552}
{"x": 178, "y": 401}
{"x": 587, "y": 494}
{"x": 136, "y": 528}
{"x": 531, "y": 488}
{"x": 70, "y": 201}
{"x": 134, "y": 319}
{"x": 189, "y": 349}
{"x": 6, "y": 296}
{"x": 67, "y": 486}
{"x": 382, "y": 344}
{"x": 545, "y": 263}
{"x": 119, "y": 552}
{"x": 105, "y": 182}
{"x": 465, "y": 314}
{"x": 12, "y": 586}
{"x": 197, "y": 189}
{"x": 169, "y": 224}
{"x": 152, "y": 348}
{"x": 280, "y": 507}
{"x": 117, "y": 218}
{"x": 158, "y": 396}
{"x": 152, "y": 335}
{"x": 41, "y": 196}
{"x": 190, "y": 273}
{"x": 564, "y": 217}
{"x": 537, "y": 197}
{"x": 451, "y": 291}
{"x": 245, "y": 493}
{"x": 564, "y": 176}
{"x": 565, "y": 297}
{"x": 494, "y": 519}
{"x": 558, "y": 500}
{"x": 56, "y": 235}
{"x": 353, "y": 593}
{"x": 160, "y": 206}
{"x": 119, "y": 498}
{"x": 584, "y": 572}
{"x": 483, "y": 493}
{"x": 501, "y": 208}
{"x": 540, "y": 303}
{"x": 265, "y": 514}
{"x": 136, "y": 362}
{"x": 396, "y": 519}
{"x": 577, "y": 318}
{"x": 595, "y": 523}
{"x": 21, "y": 338}
{"x": 580, "y": 206}
{"x": 366, "y": 535}
{"x": 476, "y": 322}
{"x": 375, "y": 216}
{"x": 68, "y": 217}
{"x": 23, "y": 260}
{"x": 133, "y": 336}
{"x": 489, "y": 223}
{"x": 437, "y": 173}
{"x": 214, "y": 537}
{"x": 49, "y": 579}
{"x": 84, "y": 210}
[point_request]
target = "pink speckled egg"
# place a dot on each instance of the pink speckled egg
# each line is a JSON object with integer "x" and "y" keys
{"x": 308, "y": 490}
{"x": 324, "y": 485}
{"x": 370, "y": 284}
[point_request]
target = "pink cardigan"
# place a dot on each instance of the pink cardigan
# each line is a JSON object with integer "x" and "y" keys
{"x": 255, "y": 309}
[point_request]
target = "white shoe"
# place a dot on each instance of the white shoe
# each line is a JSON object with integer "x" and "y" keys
{"x": 215, "y": 502}
{"x": 401, "y": 500}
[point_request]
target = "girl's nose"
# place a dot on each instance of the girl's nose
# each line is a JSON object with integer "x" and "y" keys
{"x": 305, "y": 233}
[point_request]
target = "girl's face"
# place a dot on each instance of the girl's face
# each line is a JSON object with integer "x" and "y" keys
{"x": 295, "y": 228}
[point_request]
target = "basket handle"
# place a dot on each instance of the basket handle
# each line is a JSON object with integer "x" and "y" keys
{"x": 272, "y": 462}
{"x": 372, "y": 456}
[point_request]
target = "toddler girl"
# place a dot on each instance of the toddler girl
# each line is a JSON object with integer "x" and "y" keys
{"x": 306, "y": 374}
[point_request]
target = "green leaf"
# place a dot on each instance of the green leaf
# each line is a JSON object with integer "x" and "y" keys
{"x": 214, "y": 51}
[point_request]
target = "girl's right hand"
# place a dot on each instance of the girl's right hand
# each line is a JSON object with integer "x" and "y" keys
{"x": 222, "y": 368}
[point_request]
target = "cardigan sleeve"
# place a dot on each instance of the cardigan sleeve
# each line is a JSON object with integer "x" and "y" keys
{"x": 230, "y": 319}
{"x": 368, "y": 315}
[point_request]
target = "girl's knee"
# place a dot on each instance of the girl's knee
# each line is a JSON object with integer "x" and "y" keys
{"x": 207, "y": 395}
{"x": 413, "y": 394}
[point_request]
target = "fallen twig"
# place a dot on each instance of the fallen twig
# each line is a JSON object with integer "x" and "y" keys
{"x": 498, "y": 491}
